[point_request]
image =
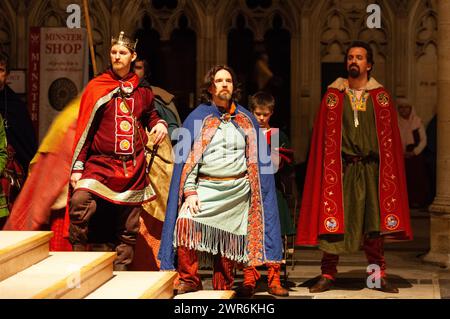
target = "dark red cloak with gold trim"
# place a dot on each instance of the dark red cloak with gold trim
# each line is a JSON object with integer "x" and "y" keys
{"x": 323, "y": 202}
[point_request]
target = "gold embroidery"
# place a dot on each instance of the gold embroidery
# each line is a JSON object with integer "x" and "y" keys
{"x": 128, "y": 196}
{"x": 332, "y": 100}
{"x": 331, "y": 224}
{"x": 125, "y": 126}
{"x": 383, "y": 99}
{"x": 124, "y": 145}
{"x": 358, "y": 104}
{"x": 123, "y": 108}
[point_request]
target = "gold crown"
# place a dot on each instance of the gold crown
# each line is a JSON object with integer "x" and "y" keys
{"x": 125, "y": 41}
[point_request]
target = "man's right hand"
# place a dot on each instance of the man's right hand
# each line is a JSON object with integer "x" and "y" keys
{"x": 193, "y": 203}
{"x": 74, "y": 178}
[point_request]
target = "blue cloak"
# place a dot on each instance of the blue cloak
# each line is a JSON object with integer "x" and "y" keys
{"x": 270, "y": 235}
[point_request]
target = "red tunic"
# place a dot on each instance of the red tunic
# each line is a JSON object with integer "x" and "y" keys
{"x": 323, "y": 184}
{"x": 108, "y": 143}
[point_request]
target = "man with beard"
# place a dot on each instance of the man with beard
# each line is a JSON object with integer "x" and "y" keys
{"x": 222, "y": 203}
{"x": 355, "y": 189}
{"x": 109, "y": 172}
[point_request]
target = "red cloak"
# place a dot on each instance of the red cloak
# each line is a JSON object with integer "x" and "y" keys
{"x": 322, "y": 209}
{"x": 97, "y": 92}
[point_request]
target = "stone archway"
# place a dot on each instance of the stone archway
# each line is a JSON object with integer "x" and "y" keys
{"x": 7, "y": 29}
{"x": 266, "y": 27}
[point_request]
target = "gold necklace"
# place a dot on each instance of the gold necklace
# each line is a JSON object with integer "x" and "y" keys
{"x": 358, "y": 104}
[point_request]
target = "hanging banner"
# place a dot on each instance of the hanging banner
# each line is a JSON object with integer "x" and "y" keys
{"x": 58, "y": 71}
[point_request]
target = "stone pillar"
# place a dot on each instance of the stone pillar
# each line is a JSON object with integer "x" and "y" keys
{"x": 440, "y": 209}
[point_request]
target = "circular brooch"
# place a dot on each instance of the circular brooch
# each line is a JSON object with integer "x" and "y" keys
{"x": 125, "y": 145}
{"x": 332, "y": 100}
{"x": 383, "y": 99}
{"x": 125, "y": 126}
{"x": 331, "y": 224}
{"x": 391, "y": 222}
{"x": 126, "y": 87}
{"x": 123, "y": 107}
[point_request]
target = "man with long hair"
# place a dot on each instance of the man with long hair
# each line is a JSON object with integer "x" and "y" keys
{"x": 222, "y": 203}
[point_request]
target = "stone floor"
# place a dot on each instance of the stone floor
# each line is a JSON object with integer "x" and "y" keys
{"x": 415, "y": 279}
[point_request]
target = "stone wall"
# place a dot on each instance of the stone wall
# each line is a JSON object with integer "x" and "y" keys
{"x": 405, "y": 46}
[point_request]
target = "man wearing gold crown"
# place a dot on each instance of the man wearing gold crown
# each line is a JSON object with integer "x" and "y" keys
{"x": 355, "y": 192}
{"x": 108, "y": 171}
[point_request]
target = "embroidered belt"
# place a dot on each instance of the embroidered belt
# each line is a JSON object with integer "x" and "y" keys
{"x": 352, "y": 159}
{"x": 225, "y": 178}
{"x": 123, "y": 158}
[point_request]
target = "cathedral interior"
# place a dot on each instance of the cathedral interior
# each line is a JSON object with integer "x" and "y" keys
{"x": 305, "y": 42}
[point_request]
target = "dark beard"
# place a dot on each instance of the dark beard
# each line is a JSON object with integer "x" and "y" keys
{"x": 354, "y": 73}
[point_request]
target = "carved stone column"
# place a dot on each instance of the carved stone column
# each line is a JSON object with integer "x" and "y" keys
{"x": 440, "y": 209}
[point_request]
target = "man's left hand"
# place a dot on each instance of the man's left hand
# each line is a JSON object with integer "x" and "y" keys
{"x": 161, "y": 131}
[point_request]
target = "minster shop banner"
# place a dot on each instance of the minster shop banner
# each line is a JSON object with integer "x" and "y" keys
{"x": 58, "y": 71}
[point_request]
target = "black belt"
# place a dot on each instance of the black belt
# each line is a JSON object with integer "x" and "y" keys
{"x": 352, "y": 159}
{"x": 124, "y": 157}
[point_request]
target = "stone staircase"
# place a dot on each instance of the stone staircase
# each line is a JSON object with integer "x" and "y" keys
{"x": 28, "y": 270}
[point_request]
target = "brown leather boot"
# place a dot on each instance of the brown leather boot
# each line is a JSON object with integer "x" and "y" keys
{"x": 79, "y": 247}
{"x": 273, "y": 277}
{"x": 279, "y": 291}
{"x": 247, "y": 289}
{"x": 386, "y": 286}
{"x": 322, "y": 285}
{"x": 184, "y": 287}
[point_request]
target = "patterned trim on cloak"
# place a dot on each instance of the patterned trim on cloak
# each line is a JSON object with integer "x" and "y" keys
{"x": 208, "y": 130}
{"x": 255, "y": 236}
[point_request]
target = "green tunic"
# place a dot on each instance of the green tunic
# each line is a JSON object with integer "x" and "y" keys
{"x": 360, "y": 182}
{"x": 3, "y": 159}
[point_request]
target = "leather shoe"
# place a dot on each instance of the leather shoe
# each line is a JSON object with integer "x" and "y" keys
{"x": 322, "y": 285}
{"x": 120, "y": 267}
{"x": 386, "y": 286}
{"x": 246, "y": 291}
{"x": 278, "y": 291}
{"x": 183, "y": 288}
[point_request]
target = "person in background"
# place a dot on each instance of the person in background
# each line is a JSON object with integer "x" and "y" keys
{"x": 262, "y": 105}
{"x": 153, "y": 213}
{"x": 414, "y": 141}
{"x": 4, "y": 211}
{"x": 22, "y": 142}
{"x": 163, "y": 100}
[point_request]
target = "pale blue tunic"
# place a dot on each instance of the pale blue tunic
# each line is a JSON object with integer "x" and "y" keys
{"x": 224, "y": 204}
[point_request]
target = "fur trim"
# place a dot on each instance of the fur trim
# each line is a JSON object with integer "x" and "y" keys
{"x": 341, "y": 84}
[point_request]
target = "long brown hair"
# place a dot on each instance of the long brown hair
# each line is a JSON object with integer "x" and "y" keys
{"x": 208, "y": 81}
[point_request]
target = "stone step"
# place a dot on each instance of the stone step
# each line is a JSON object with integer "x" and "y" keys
{"x": 21, "y": 249}
{"x": 208, "y": 294}
{"x": 61, "y": 275}
{"x": 137, "y": 285}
